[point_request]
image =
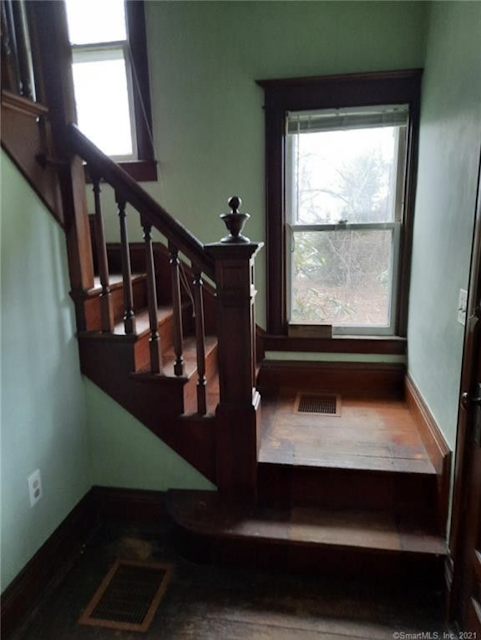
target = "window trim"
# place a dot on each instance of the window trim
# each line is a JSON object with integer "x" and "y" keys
{"x": 144, "y": 167}
{"x": 325, "y": 92}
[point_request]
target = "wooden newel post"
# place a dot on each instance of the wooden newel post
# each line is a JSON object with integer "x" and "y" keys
{"x": 238, "y": 412}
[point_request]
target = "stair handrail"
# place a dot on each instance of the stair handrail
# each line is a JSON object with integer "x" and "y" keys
{"x": 128, "y": 189}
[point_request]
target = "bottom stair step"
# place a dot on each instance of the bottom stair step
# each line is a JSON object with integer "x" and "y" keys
{"x": 302, "y": 538}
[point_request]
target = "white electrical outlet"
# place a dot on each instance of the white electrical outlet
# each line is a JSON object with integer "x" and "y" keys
{"x": 34, "y": 487}
{"x": 462, "y": 305}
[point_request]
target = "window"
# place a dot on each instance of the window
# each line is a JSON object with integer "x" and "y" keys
{"x": 344, "y": 199}
{"x": 340, "y": 169}
{"x": 110, "y": 75}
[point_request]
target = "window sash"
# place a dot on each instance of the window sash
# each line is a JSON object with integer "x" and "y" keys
{"x": 397, "y": 193}
{"x": 299, "y": 122}
{"x": 351, "y": 329}
{"x": 92, "y": 53}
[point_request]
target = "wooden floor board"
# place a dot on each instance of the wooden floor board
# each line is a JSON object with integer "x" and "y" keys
{"x": 214, "y": 603}
{"x": 369, "y": 434}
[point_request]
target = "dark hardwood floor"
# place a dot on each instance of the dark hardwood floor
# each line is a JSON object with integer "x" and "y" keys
{"x": 213, "y": 603}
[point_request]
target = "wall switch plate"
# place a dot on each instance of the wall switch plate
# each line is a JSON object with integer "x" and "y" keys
{"x": 462, "y": 305}
{"x": 34, "y": 487}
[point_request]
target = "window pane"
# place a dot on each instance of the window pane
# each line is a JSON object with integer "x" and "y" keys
{"x": 92, "y": 21}
{"x": 342, "y": 277}
{"x": 344, "y": 175}
{"x": 106, "y": 118}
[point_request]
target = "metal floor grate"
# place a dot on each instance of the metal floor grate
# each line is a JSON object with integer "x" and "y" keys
{"x": 129, "y": 596}
{"x": 326, "y": 405}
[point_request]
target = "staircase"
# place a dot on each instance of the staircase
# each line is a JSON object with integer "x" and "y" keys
{"x": 354, "y": 492}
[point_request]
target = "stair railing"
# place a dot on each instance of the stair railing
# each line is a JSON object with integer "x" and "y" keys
{"x": 102, "y": 169}
{"x": 230, "y": 265}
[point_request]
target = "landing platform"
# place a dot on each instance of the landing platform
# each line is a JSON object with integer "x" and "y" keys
{"x": 369, "y": 434}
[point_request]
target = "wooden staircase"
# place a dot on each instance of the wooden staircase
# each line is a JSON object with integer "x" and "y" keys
{"x": 355, "y": 492}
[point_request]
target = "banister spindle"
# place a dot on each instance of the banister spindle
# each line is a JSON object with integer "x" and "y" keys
{"x": 177, "y": 309}
{"x": 200, "y": 341}
{"x": 129, "y": 315}
{"x": 106, "y": 310}
{"x": 154, "y": 341}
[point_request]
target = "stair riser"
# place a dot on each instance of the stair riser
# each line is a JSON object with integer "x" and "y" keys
{"x": 166, "y": 333}
{"x": 286, "y": 486}
{"x": 284, "y": 556}
{"x": 92, "y": 305}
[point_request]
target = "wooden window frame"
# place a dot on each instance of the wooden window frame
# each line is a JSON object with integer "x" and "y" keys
{"x": 325, "y": 92}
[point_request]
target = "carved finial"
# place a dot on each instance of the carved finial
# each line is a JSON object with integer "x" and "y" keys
{"x": 234, "y": 203}
{"x": 235, "y": 221}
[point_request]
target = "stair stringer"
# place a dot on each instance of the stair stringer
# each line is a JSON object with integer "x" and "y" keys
{"x": 158, "y": 404}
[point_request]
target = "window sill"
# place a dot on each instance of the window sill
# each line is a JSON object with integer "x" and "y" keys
{"x": 391, "y": 345}
{"x": 139, "y": 170}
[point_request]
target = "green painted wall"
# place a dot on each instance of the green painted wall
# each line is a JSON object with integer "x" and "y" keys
{"x": 448, "y": 163}
{"x": 208, "y": 119}
{"x": 126, "y": 454}
{"x": 43, "y": 405}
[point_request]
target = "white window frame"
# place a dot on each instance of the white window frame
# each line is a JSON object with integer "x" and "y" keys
{"x": 396, "y": 227}
{"x": 116, "y": 50}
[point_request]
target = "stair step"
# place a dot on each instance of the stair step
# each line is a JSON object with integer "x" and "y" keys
{"x": 190, "y": 361}
{"x": 300, "y": 535}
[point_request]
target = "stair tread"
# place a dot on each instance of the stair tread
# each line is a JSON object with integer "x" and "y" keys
{"x": 189, "y": 354}
{"x": 115, "y": 281}
{"x": 142, "y": 325}
{"x": 202, "y": 513}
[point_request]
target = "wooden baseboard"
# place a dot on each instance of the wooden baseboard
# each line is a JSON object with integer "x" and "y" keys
{"x": 438, "y": 449}
{"x": 56, "y": 556}
{"x": 48, "y": 565}
{"x": 129, "y": 505}
{"x": 355, "y": 378}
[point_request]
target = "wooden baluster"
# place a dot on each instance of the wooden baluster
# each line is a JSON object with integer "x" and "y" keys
{"x": 154, "y": 341}
{"x": 129, "y": 315}
{"x": 200, "y": 340}
{"x": 177, "y": 308}
{"x": 106, "y": 310}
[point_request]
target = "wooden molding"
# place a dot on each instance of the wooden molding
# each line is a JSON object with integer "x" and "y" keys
{"x": 132, "y": 505}
{"x": 55, "y": 557}
{"x": 435, "y": 443}
{"x": 48, "y": 565}
{"x": 23, "y": 105}
{"x": 356, "y": 378}
{"x": 336, "y": 344}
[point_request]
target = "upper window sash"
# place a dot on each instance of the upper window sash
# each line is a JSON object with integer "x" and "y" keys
{"x": 346, "y": 119}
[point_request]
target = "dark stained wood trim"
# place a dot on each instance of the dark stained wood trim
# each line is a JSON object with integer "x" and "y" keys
{"x": 132, "y": 505}
{"x": 23, "y": 105}
{"x": 354, "y": 378}
{"x": 143, "y": 111}
{"x": 276, "y": 83}
{"x": 26, "y": 135}
{"x": 139, "y": 170}
{"x": 324, "y": 92}
{"x": 57, "y": 555}
{"x": 438, "y": 449}
{"x": 48, "y": 565}
{"x": 337, "y": 344}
